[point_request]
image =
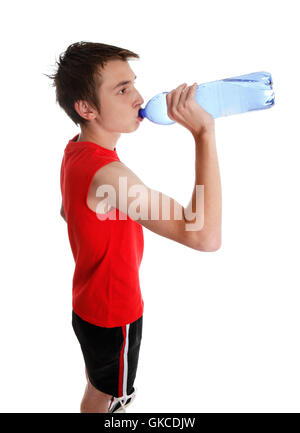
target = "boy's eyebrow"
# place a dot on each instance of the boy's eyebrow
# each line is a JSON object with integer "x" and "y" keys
{"x": 123, "y": 83}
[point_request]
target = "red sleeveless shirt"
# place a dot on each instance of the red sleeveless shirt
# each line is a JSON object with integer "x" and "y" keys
{"x": 107, "y": 252}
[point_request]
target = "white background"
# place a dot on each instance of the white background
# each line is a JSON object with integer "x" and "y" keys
{"x": 221, "y": 329}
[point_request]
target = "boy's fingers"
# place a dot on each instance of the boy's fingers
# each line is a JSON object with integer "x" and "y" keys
{"x": 177, "y": 94}
{"x": 194, "y": 87}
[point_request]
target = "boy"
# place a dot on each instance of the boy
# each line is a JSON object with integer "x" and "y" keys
{"x": 95, "y": 86}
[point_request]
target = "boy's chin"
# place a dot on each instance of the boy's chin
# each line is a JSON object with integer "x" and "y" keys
{"x": 131, "y": 128}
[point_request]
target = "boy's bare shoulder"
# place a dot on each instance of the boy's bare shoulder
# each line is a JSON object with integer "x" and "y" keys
{"x": 110, "y": 173}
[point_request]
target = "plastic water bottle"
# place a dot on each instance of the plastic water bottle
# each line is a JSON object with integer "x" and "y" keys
{"x": 220, "y": 98}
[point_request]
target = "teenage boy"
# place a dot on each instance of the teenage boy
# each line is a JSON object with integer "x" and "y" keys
{"x": 95, "y": 87}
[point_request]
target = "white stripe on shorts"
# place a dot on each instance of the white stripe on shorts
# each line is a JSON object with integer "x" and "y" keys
{"x": 125, "y": 372}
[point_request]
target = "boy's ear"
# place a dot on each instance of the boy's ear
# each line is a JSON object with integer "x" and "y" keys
{"x": 84, "y": 110}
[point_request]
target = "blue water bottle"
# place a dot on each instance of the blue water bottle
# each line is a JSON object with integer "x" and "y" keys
{"x": 220, "y": 98}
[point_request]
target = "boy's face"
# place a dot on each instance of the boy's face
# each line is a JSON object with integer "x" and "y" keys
{"x": 119, "y": 106}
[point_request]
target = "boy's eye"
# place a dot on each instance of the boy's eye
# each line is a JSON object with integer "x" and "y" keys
{"x": 125, "y": 88}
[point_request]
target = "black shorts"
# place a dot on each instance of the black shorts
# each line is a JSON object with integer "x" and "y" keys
{"x": 110, "y": 354}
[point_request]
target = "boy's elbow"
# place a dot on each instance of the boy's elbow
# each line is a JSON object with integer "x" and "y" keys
{"x": 211, "y": 245}
{"x": 62, "y": 214}
{"x": 212, "y": 248}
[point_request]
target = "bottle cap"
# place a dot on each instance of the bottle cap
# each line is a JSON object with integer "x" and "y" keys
{"x": 142, "y": 113}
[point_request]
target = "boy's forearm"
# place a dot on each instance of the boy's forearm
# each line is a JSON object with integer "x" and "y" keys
{"x": 207, "y": 174}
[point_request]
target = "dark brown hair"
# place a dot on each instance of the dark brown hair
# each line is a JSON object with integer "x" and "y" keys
{"x": 78, "y": 76}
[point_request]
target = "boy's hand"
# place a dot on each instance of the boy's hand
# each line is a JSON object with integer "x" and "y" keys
{"x": 183, "y": 109}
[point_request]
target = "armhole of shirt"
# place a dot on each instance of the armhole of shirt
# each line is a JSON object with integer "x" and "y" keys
{"x": 88, "y": 189}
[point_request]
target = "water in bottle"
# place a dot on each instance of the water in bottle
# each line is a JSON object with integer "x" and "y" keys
{"x": 220, "y": 98}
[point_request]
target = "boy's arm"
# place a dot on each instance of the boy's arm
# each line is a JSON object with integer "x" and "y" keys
{"x": 162, "y": 214}
{"x": 62, "y": 212}
{"x": 207, "y": 173}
